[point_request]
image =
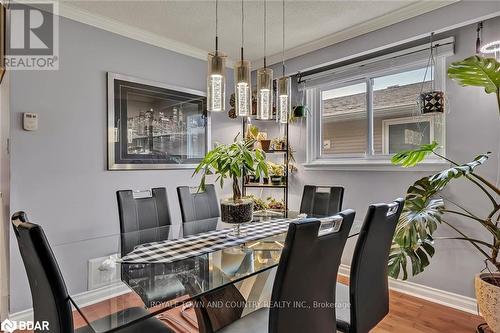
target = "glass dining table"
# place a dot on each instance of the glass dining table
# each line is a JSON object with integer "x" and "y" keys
{"x": 195, "y": 263}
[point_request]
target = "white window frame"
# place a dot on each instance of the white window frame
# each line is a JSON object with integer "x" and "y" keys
{"x": 369, "y": 160}
{"x": 406, "y": 120}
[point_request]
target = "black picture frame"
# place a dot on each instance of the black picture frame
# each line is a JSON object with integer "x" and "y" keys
{"x": 152, "y": 125}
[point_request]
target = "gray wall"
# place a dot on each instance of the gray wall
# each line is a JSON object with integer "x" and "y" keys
{"x": 472, "y": 127}
{"x": 59, "y": 172}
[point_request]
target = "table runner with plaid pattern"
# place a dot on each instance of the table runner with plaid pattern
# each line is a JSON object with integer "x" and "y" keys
{"x": 168, "y": 251}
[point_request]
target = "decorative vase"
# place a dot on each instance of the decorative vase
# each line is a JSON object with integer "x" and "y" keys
{"x": 488, "y": 298}
{"x": 431, "y": 102}
{"x": 265, "y": 144}
{"x": 236, "y": 213}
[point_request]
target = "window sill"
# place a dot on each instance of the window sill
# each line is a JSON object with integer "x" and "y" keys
{"x": 372, "y": 165}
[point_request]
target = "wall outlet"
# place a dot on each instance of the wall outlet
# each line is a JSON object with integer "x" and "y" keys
{"x": 103, "y": 271}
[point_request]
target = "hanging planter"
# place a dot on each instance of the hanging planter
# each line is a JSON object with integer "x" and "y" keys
{"x": 433, "y": 100}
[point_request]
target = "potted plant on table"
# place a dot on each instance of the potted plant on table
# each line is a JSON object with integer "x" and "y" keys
{"x": 233, "y": 161}
{"x": 426, "y": 208}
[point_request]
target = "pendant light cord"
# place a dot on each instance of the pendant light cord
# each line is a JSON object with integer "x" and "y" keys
{"x": 265, "y": 32}
{"x": 216, "y": 27}
{"x": 283, "y": 41}
{"x": 479, "y": 32}
{"x": 430, "y": 63}
{"x": 242, "y": 28}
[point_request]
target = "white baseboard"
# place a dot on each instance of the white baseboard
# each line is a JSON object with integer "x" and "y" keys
{"x": 83, "y": 299}
{"x": 442, "y": 297}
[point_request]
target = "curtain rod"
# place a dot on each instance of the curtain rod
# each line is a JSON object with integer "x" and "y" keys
{"x": 400, "y": 48}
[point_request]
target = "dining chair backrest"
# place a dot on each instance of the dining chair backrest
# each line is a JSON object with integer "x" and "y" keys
{"x": 307, "y": 273}
{"x": 51, "y": 303}
{"x": 198, "y": 205}
{"x": 320, "y": 201}
{"x": 144, "y": 219}
{"x": 368, "y": 290}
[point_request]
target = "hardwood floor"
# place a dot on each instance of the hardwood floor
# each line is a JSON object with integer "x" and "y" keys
{"x": 415, "y": 315}
{"x": 407, "y": 314}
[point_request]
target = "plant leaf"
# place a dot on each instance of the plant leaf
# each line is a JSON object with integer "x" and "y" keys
{"x": 477, "y": 71}
{"x": 440, "y": 180}
{"x": 410, "y": 158}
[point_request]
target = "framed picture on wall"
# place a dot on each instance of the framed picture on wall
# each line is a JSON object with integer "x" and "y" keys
{"x": 152, "y": 125}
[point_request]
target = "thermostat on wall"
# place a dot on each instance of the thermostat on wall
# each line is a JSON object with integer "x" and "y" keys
{"x": 30, "y": 121}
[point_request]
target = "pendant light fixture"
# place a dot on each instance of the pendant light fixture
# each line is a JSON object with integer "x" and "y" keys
{"x": 265, "y": 82}
{"x": 216, "y": 78}
{"x": 284, "y": 83}
{"x": 242, "y": 77}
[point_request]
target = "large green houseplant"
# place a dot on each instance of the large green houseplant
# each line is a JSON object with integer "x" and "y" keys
{"x": 426, "y": 208}
{"x": 233, "y": 161}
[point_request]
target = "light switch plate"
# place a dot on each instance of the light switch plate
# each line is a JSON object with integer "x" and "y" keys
{"x": 30, "y": 121}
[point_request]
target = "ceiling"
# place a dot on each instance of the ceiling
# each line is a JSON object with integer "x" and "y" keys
{"x": 189, "y": 26}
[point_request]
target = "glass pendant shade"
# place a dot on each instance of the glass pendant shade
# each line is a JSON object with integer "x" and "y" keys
{"x": 242, "y": 88}
{"x": 264, "y": 93}
{"x": 216, "y": 82}
{"x": 284, "y": 98}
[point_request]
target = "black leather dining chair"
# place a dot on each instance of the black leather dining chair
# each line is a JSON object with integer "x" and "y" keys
{"x": 318, "y": 201}
{"x": 51, "y": 301}
{"x": 198, "y": 205}
{"x": 143, "y": 220}
{"x": 305, "y": 277}
{"x": 366, "y": 299}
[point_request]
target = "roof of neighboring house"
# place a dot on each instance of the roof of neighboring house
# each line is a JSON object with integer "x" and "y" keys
{"x": 393, "y": 96}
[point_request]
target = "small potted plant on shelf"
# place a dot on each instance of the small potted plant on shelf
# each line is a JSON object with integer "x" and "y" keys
{"x": 277, "y": 173}
{"x": 258, "y": 203}
{"x": 253, "y": 178}
{"x": 278, "y": 143}
{"x": 260, "y": 137}
{"x": 232, "y": 161}
{"x": 275, "y": 204}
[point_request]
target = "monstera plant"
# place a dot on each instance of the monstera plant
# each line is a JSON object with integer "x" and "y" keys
{"x": 426, "y": 208}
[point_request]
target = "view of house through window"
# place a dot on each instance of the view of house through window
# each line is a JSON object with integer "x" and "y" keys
{"x": 397, "y": 122}
{"x": 344, "y": 120}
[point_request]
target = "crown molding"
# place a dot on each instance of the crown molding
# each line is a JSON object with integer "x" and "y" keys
{"x": 123, "y": 29}
{"x": 399, "y": 15}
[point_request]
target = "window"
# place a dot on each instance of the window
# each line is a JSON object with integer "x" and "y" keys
{"x": 406, "y": 133}
{"x": 365, "y": 114}
{"x": 343, "y": 120}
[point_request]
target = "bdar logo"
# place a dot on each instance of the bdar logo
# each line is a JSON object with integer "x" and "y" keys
{"x": 8, "y": 326}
